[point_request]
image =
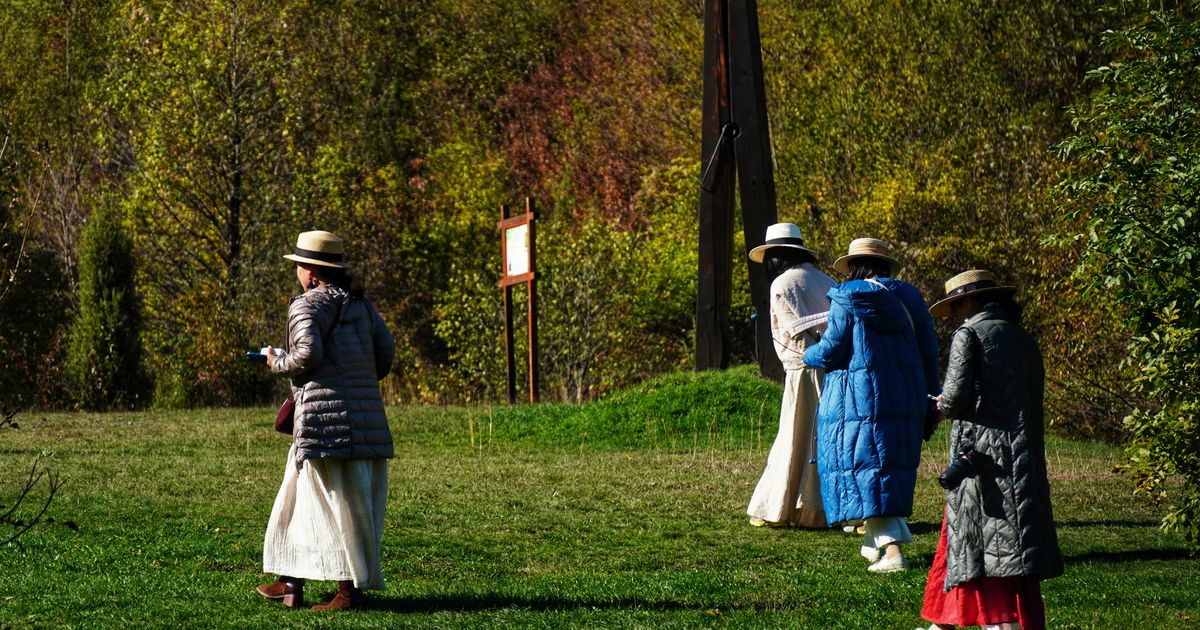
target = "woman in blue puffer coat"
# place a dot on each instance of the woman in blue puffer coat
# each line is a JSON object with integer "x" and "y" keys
{"x": 880, "y": 359}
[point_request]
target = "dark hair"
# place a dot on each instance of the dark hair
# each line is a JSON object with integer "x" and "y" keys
{"x": 777, "y": 260}
{"x": 864, "y": 267}
{"x": 1009, "y": 306}
{"x": 338, "y": 277}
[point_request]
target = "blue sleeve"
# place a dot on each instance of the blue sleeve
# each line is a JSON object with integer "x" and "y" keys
{"x": 834, "y": 349}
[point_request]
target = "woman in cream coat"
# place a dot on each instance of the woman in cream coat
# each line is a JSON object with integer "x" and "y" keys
{"x": 789, "y": 493}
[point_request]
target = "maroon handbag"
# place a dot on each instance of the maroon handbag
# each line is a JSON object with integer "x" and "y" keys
{"x": 284, "y": 419}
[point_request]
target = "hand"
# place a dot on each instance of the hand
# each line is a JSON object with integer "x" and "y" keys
{"x": 937, "y": 402}
{"x": 270, "y": 356}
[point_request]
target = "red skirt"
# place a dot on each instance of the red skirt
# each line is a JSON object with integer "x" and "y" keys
{"x": 985, "y": 600}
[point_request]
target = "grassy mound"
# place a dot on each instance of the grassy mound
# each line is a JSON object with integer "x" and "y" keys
{"x": 680, "y": 410}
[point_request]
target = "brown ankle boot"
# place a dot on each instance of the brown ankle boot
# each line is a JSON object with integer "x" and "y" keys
{"x": 347, "y": 598}
{"x": 288, "y": 589}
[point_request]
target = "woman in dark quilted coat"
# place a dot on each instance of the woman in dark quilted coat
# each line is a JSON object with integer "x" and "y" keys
{"x": 327, "y": 521}
{"x": 879, "y": 354}
{"x": 998, "y": 539}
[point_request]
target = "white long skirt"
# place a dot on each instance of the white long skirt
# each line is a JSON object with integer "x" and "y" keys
{"x": 327, "y": 522}
{"x": 789, "y": 491}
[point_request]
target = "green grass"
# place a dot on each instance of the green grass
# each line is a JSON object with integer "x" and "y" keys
{"x": 623, "y": 513}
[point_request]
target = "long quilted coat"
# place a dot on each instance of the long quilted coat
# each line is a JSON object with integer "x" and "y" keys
{"x": 335, "y": 363}
{"x": 879, "y": 367}
{"x": 999, "y": 523}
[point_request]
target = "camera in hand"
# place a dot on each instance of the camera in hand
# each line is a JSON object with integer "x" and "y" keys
{"x": 969, "y": 463}
{"x": 261, "y": 355}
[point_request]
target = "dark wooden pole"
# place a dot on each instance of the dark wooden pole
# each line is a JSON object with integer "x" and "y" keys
{"x": 509, "y": 357}
{"x": 535, "y": 378}
{"x": 713, "y": 287}
{"x": 755, "y": 165}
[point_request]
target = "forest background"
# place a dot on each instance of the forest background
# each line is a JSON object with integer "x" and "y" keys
{"x": 203, "y": 135}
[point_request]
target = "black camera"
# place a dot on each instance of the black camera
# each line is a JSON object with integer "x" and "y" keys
{"x": 968, "y": 464}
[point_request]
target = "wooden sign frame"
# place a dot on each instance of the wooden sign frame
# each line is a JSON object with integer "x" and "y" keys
{"x": 526, "y": 273}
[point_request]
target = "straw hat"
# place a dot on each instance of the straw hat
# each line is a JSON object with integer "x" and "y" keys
{"x": 781, "y": 235}
{"x": 971, "y": 282}
{"x": 319, "y": 248}
{"x": 861, "y": 247}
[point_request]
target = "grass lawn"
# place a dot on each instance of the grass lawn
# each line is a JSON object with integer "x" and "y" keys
{"x": 623, "y": 513}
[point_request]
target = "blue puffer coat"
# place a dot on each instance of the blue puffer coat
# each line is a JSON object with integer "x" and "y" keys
{"x": 878, "y": 369}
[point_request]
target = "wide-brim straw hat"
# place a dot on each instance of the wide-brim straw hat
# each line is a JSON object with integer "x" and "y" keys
{"x": 973, "y": 282}
{"x": 785, "y": 235}
{"x": 862, "y": 247}
{"x": 319, "y": 247}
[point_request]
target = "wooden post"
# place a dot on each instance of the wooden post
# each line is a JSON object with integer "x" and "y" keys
{"x": 713, "y": 288}
{"x": 535, "y": 379}
{"x": 509, "y": 357}
{"x": 734, "y": 136}
{"x": 755, "y": 166}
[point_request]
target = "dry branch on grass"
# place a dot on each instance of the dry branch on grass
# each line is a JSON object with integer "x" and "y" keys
{"x": 11, "y": 521}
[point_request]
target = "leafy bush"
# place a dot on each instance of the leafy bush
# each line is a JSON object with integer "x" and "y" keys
{"x": 34, "y": 315}
{"x": 615, "y": 304}
{"x": 584, "y": 297}
{"x": 1135, "y": 187}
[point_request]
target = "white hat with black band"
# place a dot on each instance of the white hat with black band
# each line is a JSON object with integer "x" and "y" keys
{"x": 781, "y": 235}
{"x": 319, "y": 247}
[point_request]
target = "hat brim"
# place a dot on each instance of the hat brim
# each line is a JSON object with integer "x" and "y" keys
{"x": 942, "y": 307}
{"x": 314, "y": 261}
{"x": 843, "y": 264}
{"x": 759, "y": 252}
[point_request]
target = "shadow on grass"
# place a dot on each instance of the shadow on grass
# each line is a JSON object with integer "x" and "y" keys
{"x": 478, "y": 603}
{"x": 1140, "y": 555}
{"x": 925, "y": 528}
{"x": 1107, "y": 523}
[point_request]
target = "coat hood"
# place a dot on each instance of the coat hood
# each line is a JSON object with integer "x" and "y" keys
{"x": 872, "y": 304}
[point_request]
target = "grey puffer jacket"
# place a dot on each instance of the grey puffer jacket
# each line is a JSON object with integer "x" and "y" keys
{"x": 335, "y": 363}
{"x": 999, "y": 523}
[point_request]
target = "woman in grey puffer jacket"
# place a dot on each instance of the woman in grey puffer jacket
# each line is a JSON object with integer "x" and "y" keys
{"x": 327, "y": 521}
{"x": 998, "y": 539}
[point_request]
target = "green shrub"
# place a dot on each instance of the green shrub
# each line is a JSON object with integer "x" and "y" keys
{"x": 1134, "y": 188}
{"x": 104, "y": 364}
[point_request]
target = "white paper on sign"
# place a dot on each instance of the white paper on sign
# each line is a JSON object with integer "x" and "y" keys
{"x": 516, "y": 247}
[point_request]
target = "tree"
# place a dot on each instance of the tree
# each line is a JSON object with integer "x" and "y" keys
{"x": 203, "y": 121}
{"x": 1135, "y": 189}
{"x": 104, "y": 356}
{"x": 53, "y": 53}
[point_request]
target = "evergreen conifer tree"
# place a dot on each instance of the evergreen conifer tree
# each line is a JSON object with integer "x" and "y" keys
{"x": 104, "y": 362}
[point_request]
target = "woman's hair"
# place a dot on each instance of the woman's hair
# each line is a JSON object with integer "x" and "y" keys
{"x": 338, "y": 277}
{"x": 1009, "y": 306}
{"x": 864, "y": 267}
{"x": 777, "y": 260}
